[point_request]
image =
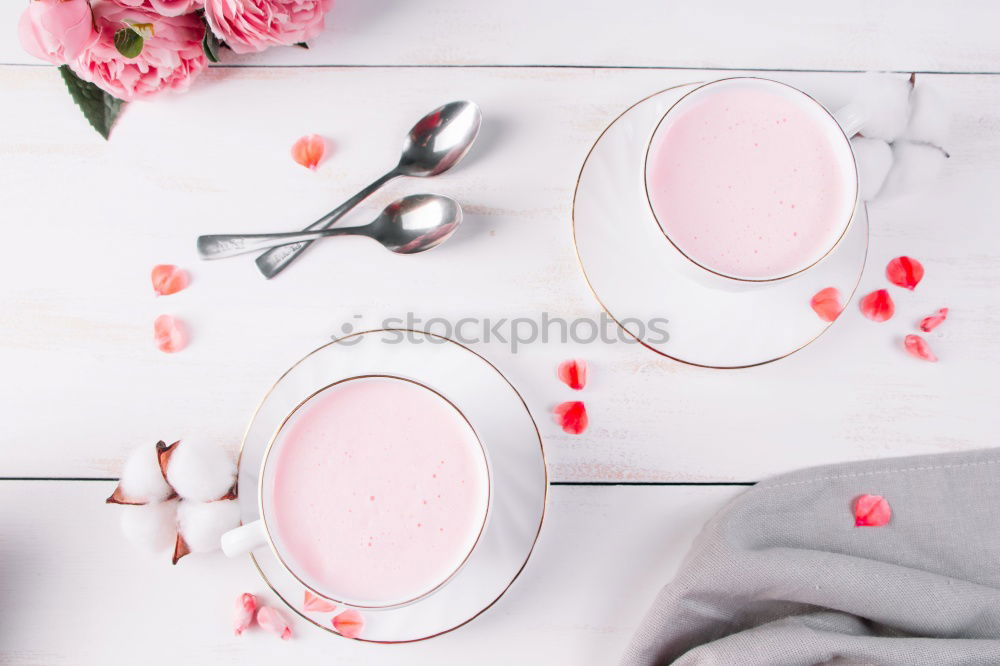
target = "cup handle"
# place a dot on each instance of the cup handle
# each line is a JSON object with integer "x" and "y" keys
{"x": 852, "y": 118}
{"x": 243, "y": 539}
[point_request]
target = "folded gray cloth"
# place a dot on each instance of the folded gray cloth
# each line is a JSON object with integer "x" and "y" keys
{"x": 782, "y": 576}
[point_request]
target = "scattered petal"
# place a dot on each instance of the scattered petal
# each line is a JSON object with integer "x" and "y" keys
{"x": 200, "y": 525}
{"x": 918, "y": 347}
{"x": 349, "y": 624}
{"x": 318, "y": 604}
{"x": 905, "y": 272}
{"x": 246, "y": 610}
{"x": 169, "y": 279}
{"x": 878, "y": 306}
{"x": 271, "y": 620}
{"x": 151, "y": 527}
{"x": 169, "y": 334}
{"x": 141, "y": 480}
{"x": 199, "y": 471}
{"x": 928, "y": 324}
{"x": 871, "y": 511}
{"x": 573, "y": 373}
{"x": 309, "y": 150}
{"x": 572, "y": 416}
{"x": 826, "y": 304}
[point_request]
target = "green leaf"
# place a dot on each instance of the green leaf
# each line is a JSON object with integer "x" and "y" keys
{"x": 210, "y": 44}
{"x": 302, "y": 45}
{"x": 128, "y": 42}
{"x": 100, "y": 108}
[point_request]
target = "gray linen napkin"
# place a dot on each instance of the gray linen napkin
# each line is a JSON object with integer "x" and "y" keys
{"x": 782, "y": 576}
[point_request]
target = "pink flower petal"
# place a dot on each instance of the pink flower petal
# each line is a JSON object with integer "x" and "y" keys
{"x": 905, "y": 272}
{"x": 871, "y": 511}
{"x": 916, "y": 346}
{"x": 349, "y": 624}
{"x": 573, "y": 373}
{"x": 572, "y": 416}
{"x": 826, "y": 304}
{"x": 928, "y": 324}
{"x": 271, "y": 620}
{"x": 309, "y": 150}
{"x": 170, "y": 334}
{"x": 246, "y": 610}
{"x": 317, "y": 604}
{"x": 168, "y": 279}
{"x": 878, "y": 306}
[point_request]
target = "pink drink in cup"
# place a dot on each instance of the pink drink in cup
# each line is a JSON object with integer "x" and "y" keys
{"x": 375, "y": 492}
{"x": 751, "y": 179}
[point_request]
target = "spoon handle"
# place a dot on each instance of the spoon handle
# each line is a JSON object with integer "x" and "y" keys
{"x": 277, "y": 259}
{"x": 222, "y": 246}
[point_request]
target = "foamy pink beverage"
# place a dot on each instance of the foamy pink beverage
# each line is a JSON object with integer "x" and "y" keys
{"x": 378, "y": 492}
{"x": 751, "y": 179}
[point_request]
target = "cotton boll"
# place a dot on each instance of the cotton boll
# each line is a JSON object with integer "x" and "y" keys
{"x": 150, "y": 527}
{"x": 930, "y": 118}
{"x": 202, "y": 524}
{"x": 200, "y": 471}
{"x": 874, "y": 158}
{"x": 141, "y": 479}
{"x": 914, "y": 164}
{"x": 885, "y": 99}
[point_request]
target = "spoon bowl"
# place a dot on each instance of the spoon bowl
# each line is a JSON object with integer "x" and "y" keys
{"x": 409, "y": 225}
{"x": 440, "y": 139}
{"x": 416, "y": 223}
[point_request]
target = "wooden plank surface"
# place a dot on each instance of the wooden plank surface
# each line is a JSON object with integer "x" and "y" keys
{"x": 75, "y": 593}
{"x": 776, "y": 34}
{"x": 88, "y": 219}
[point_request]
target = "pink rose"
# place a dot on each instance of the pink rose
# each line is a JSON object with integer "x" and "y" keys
{"x": 56, "y": 30}
{"x": 165, "y": 7}
{"x": 247, "y": 26}
{"x": 170, "y": 59}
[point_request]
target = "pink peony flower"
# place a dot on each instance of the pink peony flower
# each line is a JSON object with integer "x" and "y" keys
{"x": 165, "y": 7}
{"x": 247, "y": 26}
{"x": 56, "y": 30}
{"x": 170, "y": 59}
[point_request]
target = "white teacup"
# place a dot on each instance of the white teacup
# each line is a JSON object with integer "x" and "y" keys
{"x": 303, "y": 422}
{"x": 711, "y": 163}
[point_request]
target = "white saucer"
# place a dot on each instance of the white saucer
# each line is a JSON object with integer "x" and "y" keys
{"x": 518, "y": 478}
{"x": 638, "y": 276}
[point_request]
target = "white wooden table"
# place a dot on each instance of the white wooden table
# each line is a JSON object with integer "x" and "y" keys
{"x": 85, "y": 221}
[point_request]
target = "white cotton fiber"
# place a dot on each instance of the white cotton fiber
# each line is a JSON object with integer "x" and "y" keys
{"x": 202, "y": 524}
{"x": 150, "y": 527}
{"x": 874, "y": 158}
{"x": 885, "y": 100}
{"x": 141, "y": 478}
{"x": 200, "y": 471}
{"x": 930, "y": 117}
{"x": 913, "y": 165}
